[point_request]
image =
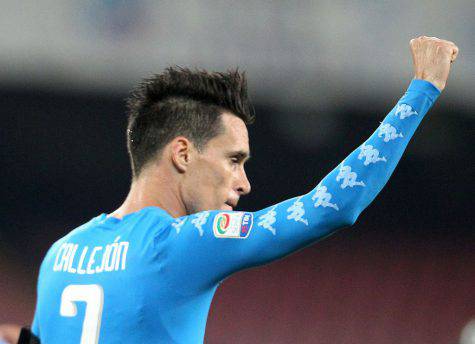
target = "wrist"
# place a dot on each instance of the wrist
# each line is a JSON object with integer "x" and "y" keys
{"x": 424, "y": 86}
{"x": 440, "y": 85}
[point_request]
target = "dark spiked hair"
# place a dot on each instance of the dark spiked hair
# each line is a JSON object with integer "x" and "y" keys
{"x": 182, "y": 102}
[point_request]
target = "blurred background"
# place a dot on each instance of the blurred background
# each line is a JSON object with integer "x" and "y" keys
{"x": 322, "y": 75}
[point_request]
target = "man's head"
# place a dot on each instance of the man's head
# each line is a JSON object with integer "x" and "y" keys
{"x": 193, "y": 122}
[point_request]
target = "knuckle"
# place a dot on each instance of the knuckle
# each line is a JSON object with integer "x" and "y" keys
{"x": 442, "y": 45}
{"x": 445, "y": 49}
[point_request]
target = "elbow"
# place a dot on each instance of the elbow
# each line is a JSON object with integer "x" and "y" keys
{"x": 337, "y": 219}
{"x": 350, "y": 219}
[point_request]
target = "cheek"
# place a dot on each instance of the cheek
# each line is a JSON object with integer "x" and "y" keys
{"x": 221, "y": 180}
{"x": 209, "y": 187}
{"x": 213, "y": 181}
{"x": 213, "y": 177}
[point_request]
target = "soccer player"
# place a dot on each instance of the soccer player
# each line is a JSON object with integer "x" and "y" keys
{"x": 147, "y": 272}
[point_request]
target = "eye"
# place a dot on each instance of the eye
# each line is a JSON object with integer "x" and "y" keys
{"x": 238, "y": 159}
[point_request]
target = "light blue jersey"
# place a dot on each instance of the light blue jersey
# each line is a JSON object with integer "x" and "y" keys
{"x": 150, "y": 278}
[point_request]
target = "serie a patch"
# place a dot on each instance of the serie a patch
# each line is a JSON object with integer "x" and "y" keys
{"x": 235, "y": 225}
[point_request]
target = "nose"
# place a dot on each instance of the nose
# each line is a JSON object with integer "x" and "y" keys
{"x": 244, "y": 186}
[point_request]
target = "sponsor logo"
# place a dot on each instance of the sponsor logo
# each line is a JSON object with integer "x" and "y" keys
{"x": 246, "y": 225}
{"x": 268, "y": 219}
{"x": 322, "y": 198}
{"x": 222, "y": 223}
{"x": 199, "y": 220}
{"x": 297, "y": 211}
{"x": 389, "y": 132}
{"x": 370, "y": 155}
{"x": 404, "y": 111}
{"x": 348, "y": 177}
{"x": 236, "y": 225}
{"x": 178, "y": 223}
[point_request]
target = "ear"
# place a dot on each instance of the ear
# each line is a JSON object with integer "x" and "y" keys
{"x": 181, "y": 149}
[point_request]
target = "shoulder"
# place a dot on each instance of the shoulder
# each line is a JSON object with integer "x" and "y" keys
{"x": 53, "y": 249}
{"x": 154, "y": 218}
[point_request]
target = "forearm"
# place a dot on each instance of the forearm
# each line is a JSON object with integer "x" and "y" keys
{"x": 361, "y": 176}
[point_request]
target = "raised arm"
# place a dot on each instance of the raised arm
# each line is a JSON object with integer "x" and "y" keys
{"x": 211, "y": 245}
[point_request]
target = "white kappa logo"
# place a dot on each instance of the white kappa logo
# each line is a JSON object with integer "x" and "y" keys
{"x": 348, "y": 177}
{"x": 297, "y": 211}
{"x": 268, "y": 219}
{"x": 199, "y": 220}
{"x": 322, "y": 198}
{"x": 370, "y": 154}
{"x": 178, "y": 223}
{"x": 389, "y": 132}
{"x": 404, "y": 111}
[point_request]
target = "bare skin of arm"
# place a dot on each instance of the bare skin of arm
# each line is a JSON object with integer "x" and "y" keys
{"x": 9, "y": 333}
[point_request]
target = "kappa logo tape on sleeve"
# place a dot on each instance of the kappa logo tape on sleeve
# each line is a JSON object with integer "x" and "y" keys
{"x": 236, "y": 225}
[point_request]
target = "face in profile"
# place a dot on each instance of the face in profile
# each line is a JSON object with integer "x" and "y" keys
{"x": 216, "y": 178}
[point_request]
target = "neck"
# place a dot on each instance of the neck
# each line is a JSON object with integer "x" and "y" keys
{"x": 152, "y": 188}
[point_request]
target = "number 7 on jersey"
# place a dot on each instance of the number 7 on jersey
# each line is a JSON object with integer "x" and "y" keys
{"x": 93, "y": 295}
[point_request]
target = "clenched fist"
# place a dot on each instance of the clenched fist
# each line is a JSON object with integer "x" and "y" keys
{"x": 432, "y": 58}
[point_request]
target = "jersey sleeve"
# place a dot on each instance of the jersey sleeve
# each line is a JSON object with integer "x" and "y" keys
{"x": 35, "y": 326}
{"x": 209, "y": 246}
